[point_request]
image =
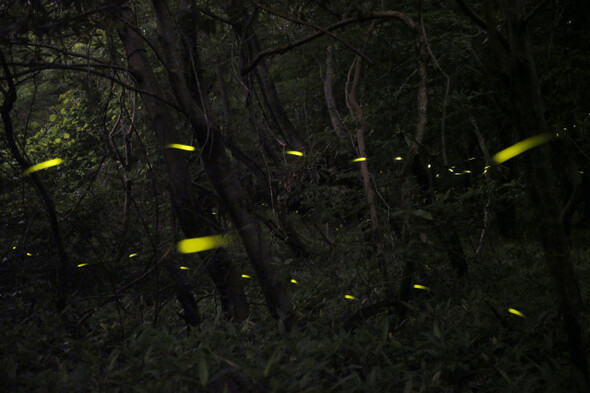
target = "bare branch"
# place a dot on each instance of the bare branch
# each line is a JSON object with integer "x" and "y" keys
{"x": 472, "y": 15}
{"x": 86, "y": 68}
{"x": 375, "y": 15}
{"x": 535, "y": 11}
{"x": 319, "y": 28}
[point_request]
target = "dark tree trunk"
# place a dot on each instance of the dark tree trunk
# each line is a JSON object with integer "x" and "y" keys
{"x": 242, "y": 22}
{"x": 516, "y": 72}
{"x": 192, "y": 218}
{"x": 218, "y": 168}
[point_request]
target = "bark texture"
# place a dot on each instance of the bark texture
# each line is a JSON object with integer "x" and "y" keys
{"x": 193, "y": 221}
{"x": 218, "y": 168}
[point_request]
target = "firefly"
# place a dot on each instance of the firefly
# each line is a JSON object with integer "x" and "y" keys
{"x": 43, "y": 165}
{"x": 199, "y": 244}
{"x": 521, "y": 147}
{"x": 180, "y": 147}
{"x": 360, "y": 159}
{"x": 516, "y": 312}
{"x": 294, "y": 153}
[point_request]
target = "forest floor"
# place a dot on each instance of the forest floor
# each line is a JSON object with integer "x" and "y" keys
{"x": 456, "y": 337}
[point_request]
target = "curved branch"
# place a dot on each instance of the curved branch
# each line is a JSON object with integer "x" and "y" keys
{"x": 472, "y": 15}
{"x": 71, "y": 67}
{"x": 535, "y": 11}
{"x": 63, "y": 269}
{"x": 375, "y": 15}
{"x": 328, "y": 33}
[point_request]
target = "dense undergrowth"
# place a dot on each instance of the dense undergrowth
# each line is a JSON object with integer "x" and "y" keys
{"x": 457, "y": 337}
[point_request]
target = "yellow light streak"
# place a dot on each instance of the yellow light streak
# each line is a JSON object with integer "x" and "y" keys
{"x": 360, "y": 159}
{"x": 184, "y": 268}
{"x": 43, "y": 165}
{"x": 198, "y": 244}
{"x": 349, "y": 297}
{"x": 180, "y": 147}
{"x": 246, "y": 276}
{"x": 516, "y": 312}
{"x": 132, "y": 255}
{"x": 82, "y": 265}
{"x": 294, "y": 153}
{"x": 521, "y": 147}
{"x": 294, "y": 281}
{"x": 417, "y": 286}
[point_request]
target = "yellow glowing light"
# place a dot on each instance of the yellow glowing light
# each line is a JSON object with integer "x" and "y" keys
{"x": 246, "y": 276}
{"x": 398, "y": 158}
{"x": 349, "y": 297}
{"x": 199, "y": 244}
{"x": 451, "y": 169}
{"x": 521, "y": 147}
{"x": 516, "y": 312}
{"x": 43, "y": 165}
{"x": 14, "y": 247}
{"x": 471, "y": 158}
{"x": 184, "y": 268}
{"x": 82, "y": 265}
{"x": 429, "y": 166}
{"x": 29, "y": 254}
{"x": 417, "y": 286}
{"x": 132, "y": 255}
{"x": 294, "y": 281}
{"x": 581, "y": 172}
{"x": 180, "y": 147}
{"x": 360, "y": 159}
{"x": 294, "y": 153}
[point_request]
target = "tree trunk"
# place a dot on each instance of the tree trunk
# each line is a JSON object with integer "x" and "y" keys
{"x": 329, "y": 96}
{"x": 515, "y": 70}
{"x": 193, "y": 221}
{"x": 218, "y": 169}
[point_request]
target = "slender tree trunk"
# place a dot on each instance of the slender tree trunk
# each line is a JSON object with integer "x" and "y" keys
{"x": 329, "y": 95}
{"x": 242, "y": 22}
{"x": 219, "y": 171}
{"x": 193, "y": 221}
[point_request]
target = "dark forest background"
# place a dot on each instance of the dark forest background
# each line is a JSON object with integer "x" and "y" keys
{"x": 344, "y": 152}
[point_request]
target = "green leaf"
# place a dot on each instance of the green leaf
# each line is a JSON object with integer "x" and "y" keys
{"x": 203, "y": 371}
{"x": 66, "y": 136}
{"x": 436, "y": 330}
{"x": 423, "y": 214}
{"x": 273, "y": 359}
{"x": 52, "y": 117}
